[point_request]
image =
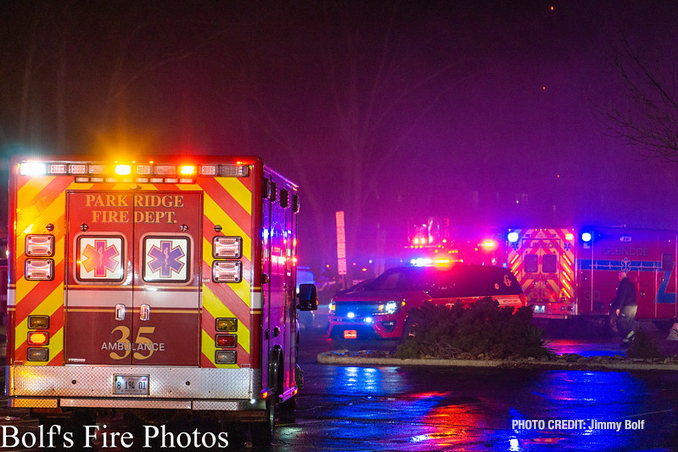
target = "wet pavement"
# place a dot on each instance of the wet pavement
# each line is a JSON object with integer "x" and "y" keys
{"x": 389, "y": 408}
{"x": 401, "y": 408}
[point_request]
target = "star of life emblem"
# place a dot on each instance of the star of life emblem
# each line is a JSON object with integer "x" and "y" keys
{"x": 626, "y": 265}
{"x": 100, "y": 258}
{"x": 165, "y": 259}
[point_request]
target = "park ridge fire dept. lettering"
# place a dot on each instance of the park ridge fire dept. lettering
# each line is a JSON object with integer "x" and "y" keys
{"x": 139, "y": 202}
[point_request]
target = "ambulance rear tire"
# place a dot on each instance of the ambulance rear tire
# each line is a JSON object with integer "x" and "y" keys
{"x": 261, "y": 434}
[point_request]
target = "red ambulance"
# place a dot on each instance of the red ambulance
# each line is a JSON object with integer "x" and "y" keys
{"x": 159, "y": 284}
{"x": 567, "y": 273}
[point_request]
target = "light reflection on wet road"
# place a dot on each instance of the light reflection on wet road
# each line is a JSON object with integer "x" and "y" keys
{"x": 389, "y": 408}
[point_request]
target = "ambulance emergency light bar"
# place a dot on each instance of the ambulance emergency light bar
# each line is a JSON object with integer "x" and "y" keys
{"x": 146, "y": 173}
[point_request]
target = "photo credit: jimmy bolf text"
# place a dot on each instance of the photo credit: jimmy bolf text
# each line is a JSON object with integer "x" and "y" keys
{"x": 577, "y": 424}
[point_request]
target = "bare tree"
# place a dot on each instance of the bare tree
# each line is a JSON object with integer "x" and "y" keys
{"x": 370, "y": 75}
{"x": 648, "y": 119}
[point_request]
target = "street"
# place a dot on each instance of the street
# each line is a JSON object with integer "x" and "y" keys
{"x": 352, "y": 408}
{"x": 392, "y": 408}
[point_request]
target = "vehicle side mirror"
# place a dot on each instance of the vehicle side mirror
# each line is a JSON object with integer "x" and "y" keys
{"x": 308, "y": 297}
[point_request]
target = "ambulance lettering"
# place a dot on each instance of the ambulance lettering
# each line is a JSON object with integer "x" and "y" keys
{"x": 141, "y": 344}
{"x": 140, "y": 201}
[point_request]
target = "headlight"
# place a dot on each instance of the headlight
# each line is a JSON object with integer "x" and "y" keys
{"x": 332, "y": 307}
{"x": 390, "y": 307}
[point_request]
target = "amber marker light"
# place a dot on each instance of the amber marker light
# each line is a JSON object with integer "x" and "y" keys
{"x": 187, "y": 170}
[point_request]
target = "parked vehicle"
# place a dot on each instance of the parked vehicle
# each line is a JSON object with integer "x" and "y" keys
{"x": 568, "y": 273}
{"x": 161, "y": 285}
{"x": 379, "y": 308}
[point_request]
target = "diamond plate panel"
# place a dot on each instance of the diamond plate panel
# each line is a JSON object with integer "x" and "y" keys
{"x": 217, "y": 405}
{"x": 165, "y": 382}
{"x": 127, "y": 403}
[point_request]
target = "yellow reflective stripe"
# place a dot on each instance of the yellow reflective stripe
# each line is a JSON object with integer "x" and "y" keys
{"x": 239, "y": 192}
{"x": 53, "y": 301}
{"x": 33, "y": 187}
{"x": 229, "y": 227}
{"x": 23, "y": 287}
{"x": 216, "y": 308}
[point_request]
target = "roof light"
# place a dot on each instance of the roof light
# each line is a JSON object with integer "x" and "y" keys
{"x": 421, "y": 261}
{"x": 209, "y": 170}
{"x": 165, "y": 170}
{"x": 33, "y": 169}
{"x": 187, "y": 170}
{"x": 512, "y": 237}
{"x": 97, "y": 169}
{"x": 56, "y": 168}
{"x": 144, "y": 170}
{"x": 77, "y": 169}
{"x": 234, "y": 170}
{"x": 123, "y": 170}
{"x": 489, "y": 245}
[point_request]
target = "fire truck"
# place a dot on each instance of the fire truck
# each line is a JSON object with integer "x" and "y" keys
{"x": 567, "y": 273}
{"x": 434, "y": 240}
{"x": 154, "y": 285}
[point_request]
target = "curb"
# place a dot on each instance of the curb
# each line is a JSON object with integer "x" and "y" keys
{"x": 343, "y": 358}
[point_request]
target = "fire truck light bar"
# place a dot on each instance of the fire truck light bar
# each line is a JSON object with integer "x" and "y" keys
{"x": 234, "y": 170}
{"x": 104, "y": 172}
{"x": 123, "y": 170}
{"x": 33, "y": 169}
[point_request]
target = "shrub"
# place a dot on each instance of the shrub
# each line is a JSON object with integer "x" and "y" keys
{"x": 483, "y": 328}
{"x": 643, "y": 346}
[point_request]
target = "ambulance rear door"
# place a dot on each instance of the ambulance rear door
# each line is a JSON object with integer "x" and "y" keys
{"x": 133, "y": 281}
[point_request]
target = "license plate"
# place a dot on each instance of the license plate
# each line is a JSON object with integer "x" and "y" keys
{"x": 131, "y": 384}
{"x": 350, "y": 334}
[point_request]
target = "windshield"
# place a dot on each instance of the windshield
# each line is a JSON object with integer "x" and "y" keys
{"x": 458, "y": 281}
{"x": 409, "y": 278}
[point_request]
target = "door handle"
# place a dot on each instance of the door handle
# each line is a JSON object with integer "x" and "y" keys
{"x": 144, "y": 312}
{"x": 120, "y": 311}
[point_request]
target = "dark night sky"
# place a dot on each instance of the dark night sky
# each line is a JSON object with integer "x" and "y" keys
{"x": 384, "y": 109}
